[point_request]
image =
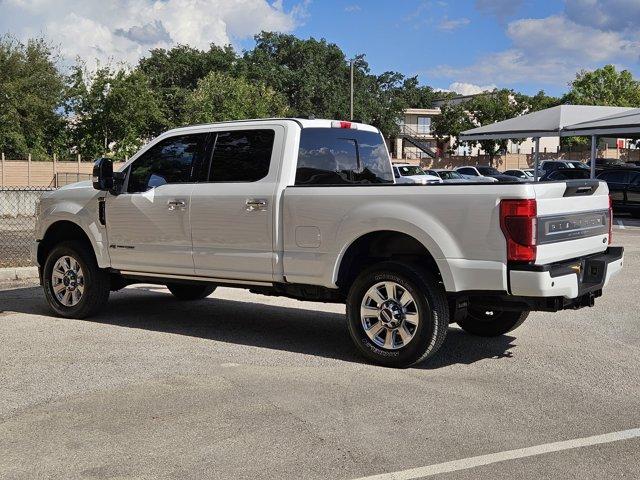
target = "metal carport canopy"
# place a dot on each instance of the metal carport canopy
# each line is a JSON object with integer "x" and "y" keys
{"x": 622, "y": 124}
{"x": 544, "y": 123}
{"x": 550, "y": 122}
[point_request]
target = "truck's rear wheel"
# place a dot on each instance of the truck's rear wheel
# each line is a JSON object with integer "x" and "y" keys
{"x": 74, "y": 285}
{"x": 397, "y": 314}
{"x": 491, "y": 323}
{"x": 190, "y": 292}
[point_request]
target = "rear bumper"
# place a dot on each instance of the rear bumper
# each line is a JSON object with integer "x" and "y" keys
{"x": 569, "y": 279}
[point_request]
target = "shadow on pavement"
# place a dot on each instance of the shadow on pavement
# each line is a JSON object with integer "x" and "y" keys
{"x": 300, "y": 330}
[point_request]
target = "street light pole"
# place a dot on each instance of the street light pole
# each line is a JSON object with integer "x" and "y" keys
{"x": 351, "y": 111}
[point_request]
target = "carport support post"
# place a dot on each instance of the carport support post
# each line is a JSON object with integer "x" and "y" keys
{"x": 536, "y": 159}
{"x": 594, "y": 152}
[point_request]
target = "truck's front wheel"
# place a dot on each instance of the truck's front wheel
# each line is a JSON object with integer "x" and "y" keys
{"x": 397, "y": 314}
{"x": 493, "y": 323}
{"x": 74, "y": 285}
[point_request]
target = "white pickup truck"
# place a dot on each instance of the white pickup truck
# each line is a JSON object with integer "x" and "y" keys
{"x": 309, "y": 209}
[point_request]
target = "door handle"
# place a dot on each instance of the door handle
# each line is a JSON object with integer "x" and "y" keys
{"x": 253, "y": 204}
{"x": 176, "y": 205}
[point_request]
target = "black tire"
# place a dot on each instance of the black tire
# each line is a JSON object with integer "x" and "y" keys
{"x": 431, "y": 308}
{"x": 96, "y": 281}
{"x": 190, "y": 292}
{"x": 491, "y": 324}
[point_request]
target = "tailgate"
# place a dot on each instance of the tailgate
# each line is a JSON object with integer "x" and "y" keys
{"x": 573, "y": 219}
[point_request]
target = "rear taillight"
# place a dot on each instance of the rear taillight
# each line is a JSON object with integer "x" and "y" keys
{"x": 518, "y": 223}
{"x": 610, "y": 220}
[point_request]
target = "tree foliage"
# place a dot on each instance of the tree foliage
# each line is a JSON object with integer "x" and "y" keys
{"x": 219, "y": 97}
{"x": 604, "y": 86}
{"x": 112, "y": 111}
{"x": 31, "y": 89}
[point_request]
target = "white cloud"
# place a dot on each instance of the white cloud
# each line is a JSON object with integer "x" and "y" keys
{"x": 352, "y": 8}
{"x": 449, "y": 25}
{"x": 548, "y": 50}
{"x": 469, "y": 88}
{"x": 604, "y": 14}
{"x": 124, "y": 30}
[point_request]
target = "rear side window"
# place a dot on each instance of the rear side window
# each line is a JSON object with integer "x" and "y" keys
{"x": 169, "y": 161}
{"x": 241, "y": 156}
{"x": 331, "y": 156}
{"x": 615, "y": 177}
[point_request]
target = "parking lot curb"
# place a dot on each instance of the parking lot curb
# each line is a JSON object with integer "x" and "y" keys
{"x": 18, "y": 273}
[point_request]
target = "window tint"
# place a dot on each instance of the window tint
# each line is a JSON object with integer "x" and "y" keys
{"x": 614, "y": 177}
{"x": 169, "y": 161}
{"x": 410, "y": 170}
{"x": 331, "y": 156}
{"x": 488, "y": 171}
{"x": 241, "y": 156}
{"x": 467, "y": 171}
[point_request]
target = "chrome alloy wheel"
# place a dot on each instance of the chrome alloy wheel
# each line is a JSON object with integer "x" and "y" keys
{"x": 389, "y": 315}
{"x": 67, "y": 281}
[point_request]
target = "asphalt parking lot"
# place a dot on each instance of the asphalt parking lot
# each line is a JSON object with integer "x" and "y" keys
{"x": 243, "y": 386}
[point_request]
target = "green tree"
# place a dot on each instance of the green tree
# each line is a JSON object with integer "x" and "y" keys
{"x": 174, "y": 73}
{"x": 604, "y": 86}
{"x": 221, "y": 97}
{"x": 112, "y": 111}
{"x": 314, "y": 76}
{"x": 31, "y": 89}
{"x": 453, "y": 119}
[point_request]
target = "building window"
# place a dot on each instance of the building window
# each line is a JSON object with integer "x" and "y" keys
{"x": 424, "y": 125}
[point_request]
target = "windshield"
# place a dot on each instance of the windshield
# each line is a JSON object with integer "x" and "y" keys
{"x": 409, "y": 170}
{"x": 488, "y": 171}
{"x": 580, "y": 165}
{"x": 450, "y": 175}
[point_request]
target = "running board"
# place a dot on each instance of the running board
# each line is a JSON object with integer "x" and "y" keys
{"x": 220, "y": 281}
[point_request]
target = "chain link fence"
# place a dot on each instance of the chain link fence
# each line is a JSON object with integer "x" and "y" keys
{"x": 17, "y": 224}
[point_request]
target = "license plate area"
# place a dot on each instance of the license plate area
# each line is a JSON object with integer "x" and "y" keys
{"x": 562, "y": 228}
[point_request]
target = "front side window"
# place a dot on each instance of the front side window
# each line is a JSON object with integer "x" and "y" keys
{"x": 241, "y": 156}
{"x": 329, "y": 156}
{"x": 168, "y": 161}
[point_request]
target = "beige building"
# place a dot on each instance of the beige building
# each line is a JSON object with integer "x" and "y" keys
{"x": 416, "y": 141}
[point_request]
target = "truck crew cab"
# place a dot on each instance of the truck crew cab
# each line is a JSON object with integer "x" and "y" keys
{"x": 309, "y": 209}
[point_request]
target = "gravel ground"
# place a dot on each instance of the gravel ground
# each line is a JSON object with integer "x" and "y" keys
{"x": 244, "y": 386}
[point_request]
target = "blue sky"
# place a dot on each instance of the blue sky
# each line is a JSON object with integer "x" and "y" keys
{"x": 463, "y": 45}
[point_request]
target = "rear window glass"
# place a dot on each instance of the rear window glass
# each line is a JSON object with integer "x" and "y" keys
{"x": 332, "y": 156}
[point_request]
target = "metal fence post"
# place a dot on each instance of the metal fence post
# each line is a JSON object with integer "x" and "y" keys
{"x": 78, "y": 175}
{"x": 29, "y": 170}
{"x": 3, "y": 168}
{"x": 55, "y": 170}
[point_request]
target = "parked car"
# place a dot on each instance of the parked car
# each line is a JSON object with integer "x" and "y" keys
{"x": 405, "y": 173}
{"x": 450, "y": 176}
{"x": 487, "y": 172}
{"x": 308, "y": 209}
{"x": 565, "y": 174}
{"x": 605, "y": 163}
{"x": 624, "y": 188}
{"x": 526, "y": 174}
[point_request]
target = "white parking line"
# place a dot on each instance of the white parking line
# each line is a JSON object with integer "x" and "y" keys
{"x": 471, "y": 462}
{"x": 621, "y": 225}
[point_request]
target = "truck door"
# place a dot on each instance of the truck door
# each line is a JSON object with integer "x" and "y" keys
{"x": 148, "y": 224}
{"x": 232, "y": 206}
{"x": 617, "y": 181}
{"x": 633, "y": 191}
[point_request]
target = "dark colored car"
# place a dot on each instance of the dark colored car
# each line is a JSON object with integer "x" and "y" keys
{"x": 624, "y": 188}
{"x": 566, "y": 174}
